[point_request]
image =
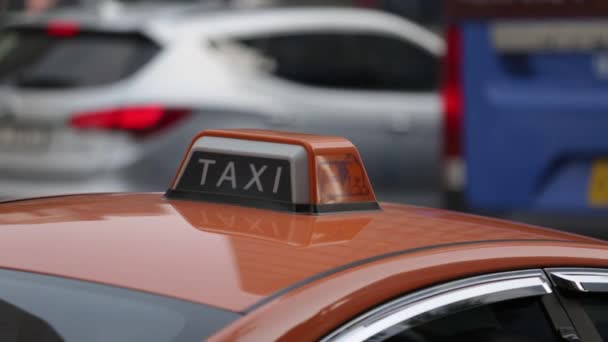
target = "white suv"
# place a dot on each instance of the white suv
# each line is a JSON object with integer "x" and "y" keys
{"x": 92, "y": 103}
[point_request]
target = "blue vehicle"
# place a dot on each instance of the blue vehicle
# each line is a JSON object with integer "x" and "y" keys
{"x": 526, "y": 99}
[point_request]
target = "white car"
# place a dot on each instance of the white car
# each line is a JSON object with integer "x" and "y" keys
{"x": 95, "y": 102}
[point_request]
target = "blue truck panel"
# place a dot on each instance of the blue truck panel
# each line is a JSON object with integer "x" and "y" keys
{"x": 534, "y": 124}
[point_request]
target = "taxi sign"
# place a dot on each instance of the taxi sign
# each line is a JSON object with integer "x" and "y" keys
{"x": 283, "y": 171}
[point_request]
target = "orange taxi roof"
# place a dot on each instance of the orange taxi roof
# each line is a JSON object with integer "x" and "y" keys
{"x": 223, "y": 255}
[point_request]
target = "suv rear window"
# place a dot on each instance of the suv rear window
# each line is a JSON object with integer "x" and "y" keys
{"x": 32, "y": 58}
{"x": 39, "y": 308}
{"x": 342, "y": 60}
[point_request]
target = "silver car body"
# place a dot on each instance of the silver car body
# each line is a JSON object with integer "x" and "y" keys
{"x": 202, "y": 66}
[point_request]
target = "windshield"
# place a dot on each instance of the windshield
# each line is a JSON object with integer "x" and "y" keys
{"x": 37, "y": 308}
{"x": 33, "y": 58}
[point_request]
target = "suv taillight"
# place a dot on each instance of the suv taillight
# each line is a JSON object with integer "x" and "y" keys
{"x": 139, "y": 120}
{"x": 454, "y": 172}
{"x": 452, "y": 94}
{"x": 62, "y": 29}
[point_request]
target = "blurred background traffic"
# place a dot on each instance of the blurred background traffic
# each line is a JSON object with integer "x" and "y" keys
{"x": 493, "y": 107}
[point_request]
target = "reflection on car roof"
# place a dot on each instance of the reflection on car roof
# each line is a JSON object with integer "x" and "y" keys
{"x": 172, "y": 247}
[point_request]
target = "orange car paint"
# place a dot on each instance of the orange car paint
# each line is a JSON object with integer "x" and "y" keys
{"x": 227, "y": 256}
{"x": 314, "y": 310}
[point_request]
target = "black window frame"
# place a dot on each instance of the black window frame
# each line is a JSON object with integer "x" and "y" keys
{"x": 574, "y": 284}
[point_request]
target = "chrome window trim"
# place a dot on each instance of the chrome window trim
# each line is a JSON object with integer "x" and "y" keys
{"x": 450, "y": 297}
{"x": 580, "y": 279}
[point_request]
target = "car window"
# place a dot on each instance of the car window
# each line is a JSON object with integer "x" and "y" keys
{"x": 519, "y": 320}
{"x": 17, "y": 324}
{"x": 33, "y": 58}
{"x": 362, "y": 61}
{"x": 37, "y": 308}
{"x": 596, "y": 308}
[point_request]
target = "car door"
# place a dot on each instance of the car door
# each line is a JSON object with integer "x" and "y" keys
{"x": 375, "y": 88}
{"x": 512, "y": 306}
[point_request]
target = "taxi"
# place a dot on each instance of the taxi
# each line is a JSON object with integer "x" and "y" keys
{"x": 273, "y": 236}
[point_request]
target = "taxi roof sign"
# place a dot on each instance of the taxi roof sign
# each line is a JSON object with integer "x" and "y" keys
{"x": 294, "y": 172}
